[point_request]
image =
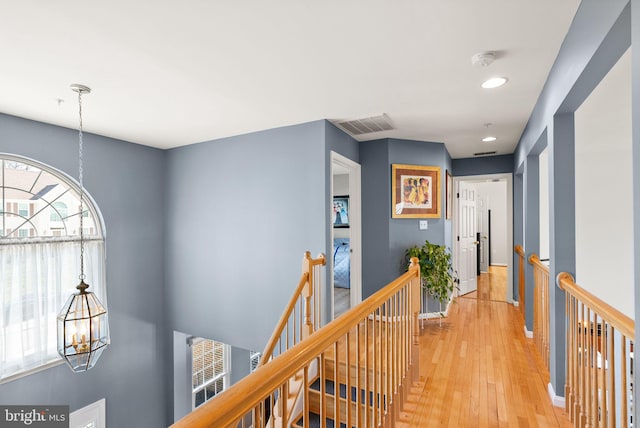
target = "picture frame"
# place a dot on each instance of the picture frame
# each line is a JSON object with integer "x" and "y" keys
{"x": 415, "y": 191}
{"x": 449, "y": 192}
{"x": 340, "y": 217}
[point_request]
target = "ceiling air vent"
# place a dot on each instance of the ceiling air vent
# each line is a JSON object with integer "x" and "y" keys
{"x": 366, "y": 125}
{"x": 485, "y": 153}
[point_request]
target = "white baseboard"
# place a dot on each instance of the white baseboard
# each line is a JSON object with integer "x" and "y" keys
{"x": 516, "y": 303}
{"x": 555, "y": 400}
{"x": 528, "y": 334}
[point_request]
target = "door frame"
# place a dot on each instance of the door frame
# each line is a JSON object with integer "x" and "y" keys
{"x": 508, "y": 177}
{"x": 355, "y": 227}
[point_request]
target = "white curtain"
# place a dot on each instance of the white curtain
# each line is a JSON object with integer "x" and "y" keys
{"x": 37, "y": 278}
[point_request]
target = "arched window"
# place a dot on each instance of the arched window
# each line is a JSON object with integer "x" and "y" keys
{"x": 40, "y": 260}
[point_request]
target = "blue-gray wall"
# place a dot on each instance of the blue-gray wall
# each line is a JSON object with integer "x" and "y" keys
{"x": 126, "y": 182}
{"x": 240, "y": 212}
{"x": 385, "y": 240}
{"x": 502, "y": 164}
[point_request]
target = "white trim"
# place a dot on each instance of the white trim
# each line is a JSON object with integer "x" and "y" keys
{"x": 94, "y": 412}
{"x": 556, "y": 400}
{"x": 355, "y": 229}
{"x": 22, "y": 374}
{"x": 528, "y": 334}
{"x": 515, "y": 303}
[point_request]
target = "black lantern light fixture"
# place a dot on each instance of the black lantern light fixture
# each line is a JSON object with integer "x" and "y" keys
{"x": 83, "y": 325}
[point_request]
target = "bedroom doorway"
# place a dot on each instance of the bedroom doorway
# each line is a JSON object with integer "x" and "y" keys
{"x": 345, "y": 259}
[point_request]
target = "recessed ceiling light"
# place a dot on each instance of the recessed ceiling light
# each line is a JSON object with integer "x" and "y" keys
{"x": 489, "y": 139}
{"x": 494, "y": 82}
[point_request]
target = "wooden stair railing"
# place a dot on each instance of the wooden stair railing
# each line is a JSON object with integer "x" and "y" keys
{"x": 371, "y": 350}
{"x": 521, "y": 298}
{"x": 541, "y": 308}
{"x": 301, "y": 316}
{"x": 599, "y": 388}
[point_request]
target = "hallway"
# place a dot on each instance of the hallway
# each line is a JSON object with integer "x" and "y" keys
{"x": 480, "y": 371}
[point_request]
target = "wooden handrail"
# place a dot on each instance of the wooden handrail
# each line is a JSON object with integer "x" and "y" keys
{"x": 541, "y": 308}
{"x": 599, "y": 383}
{"x": 535, "y": 261}
{"x": 275, "y": 336}
{"x": 617, "y": 319}
{"x": 519, "y": 250}
{"x": 243, "y": 397}
{"x": 301, "y": 299}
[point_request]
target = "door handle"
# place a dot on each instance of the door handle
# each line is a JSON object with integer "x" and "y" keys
{"x": 476, "y": 242}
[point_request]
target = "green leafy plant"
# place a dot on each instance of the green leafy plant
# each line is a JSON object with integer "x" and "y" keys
{"x": 436, "y": 269}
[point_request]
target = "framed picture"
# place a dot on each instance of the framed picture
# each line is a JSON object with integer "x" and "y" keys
{"x": 341, "y": 211}
{"x": 415, "y": 191}
{"x": 449, "y": 195}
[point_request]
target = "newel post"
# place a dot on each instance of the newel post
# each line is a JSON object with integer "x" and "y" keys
{"x": 307, "y": 293}
{"x": 414, "y": 292}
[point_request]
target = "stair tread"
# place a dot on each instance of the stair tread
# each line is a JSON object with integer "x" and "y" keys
{"x": 330, "y": 390}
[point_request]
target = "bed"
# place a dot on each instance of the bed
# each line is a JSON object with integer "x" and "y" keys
{"x": 341, "y": 268}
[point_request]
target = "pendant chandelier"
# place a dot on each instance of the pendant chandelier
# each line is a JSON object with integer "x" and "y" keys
{"x": 83, "y": 325}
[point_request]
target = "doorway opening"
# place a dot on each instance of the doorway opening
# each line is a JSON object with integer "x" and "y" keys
{"x": 345, "y": 260}
{"x": 483, "y": 236}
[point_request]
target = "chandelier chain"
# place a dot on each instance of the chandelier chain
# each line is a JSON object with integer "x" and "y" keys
{"x": 80, "y": 178}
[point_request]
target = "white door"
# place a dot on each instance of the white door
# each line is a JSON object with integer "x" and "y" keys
{"x": 483, "y": 230}
{"x": 467, "y": 237}
{"x": 91, "y": 416}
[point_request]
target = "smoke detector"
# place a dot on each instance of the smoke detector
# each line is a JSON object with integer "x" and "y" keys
{"x": 483, "y": 59}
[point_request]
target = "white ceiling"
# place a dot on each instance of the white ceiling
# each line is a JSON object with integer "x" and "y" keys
{"x": 168, "y": 73}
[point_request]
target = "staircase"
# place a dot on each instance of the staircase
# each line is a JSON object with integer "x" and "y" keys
{"x": 360, "y": 370}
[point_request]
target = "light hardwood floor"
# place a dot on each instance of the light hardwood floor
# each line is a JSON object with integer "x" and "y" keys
{"x": 491, "y": 285}
{"x": 478, "y": 370}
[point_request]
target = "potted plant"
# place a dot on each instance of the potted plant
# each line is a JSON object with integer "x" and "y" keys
{"x": 436, "y": 270}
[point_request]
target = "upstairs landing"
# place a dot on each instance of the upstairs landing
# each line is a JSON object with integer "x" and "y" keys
{"x": 480, "y": 371}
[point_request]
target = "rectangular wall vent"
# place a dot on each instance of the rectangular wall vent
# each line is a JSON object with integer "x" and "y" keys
{"x": 367, "y": 125}
{"x": 485, "y": 153}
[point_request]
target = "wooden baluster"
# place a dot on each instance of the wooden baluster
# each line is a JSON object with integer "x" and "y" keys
{"x": 584, "y": 373}
{"x": 336, "y": 384}
{"x": 568, "y": 385}
{"x": 611, "y": 386}
{"x": 374, "y": 368}
{"x": 305, "y": 389}
{"x": 348, "y": 380}
{"x": 415, "y": 289}
{"x": 283, "y": 398}
{"x": 625, "y": 386}
{"x": 322, "y": 375}
{"x": 358, "y": 383}
{"x": 600, "y": 368}
{"x": 306, "y": 294}
{"x": 367, "y": 365}
{"x": 579, "y": 350}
